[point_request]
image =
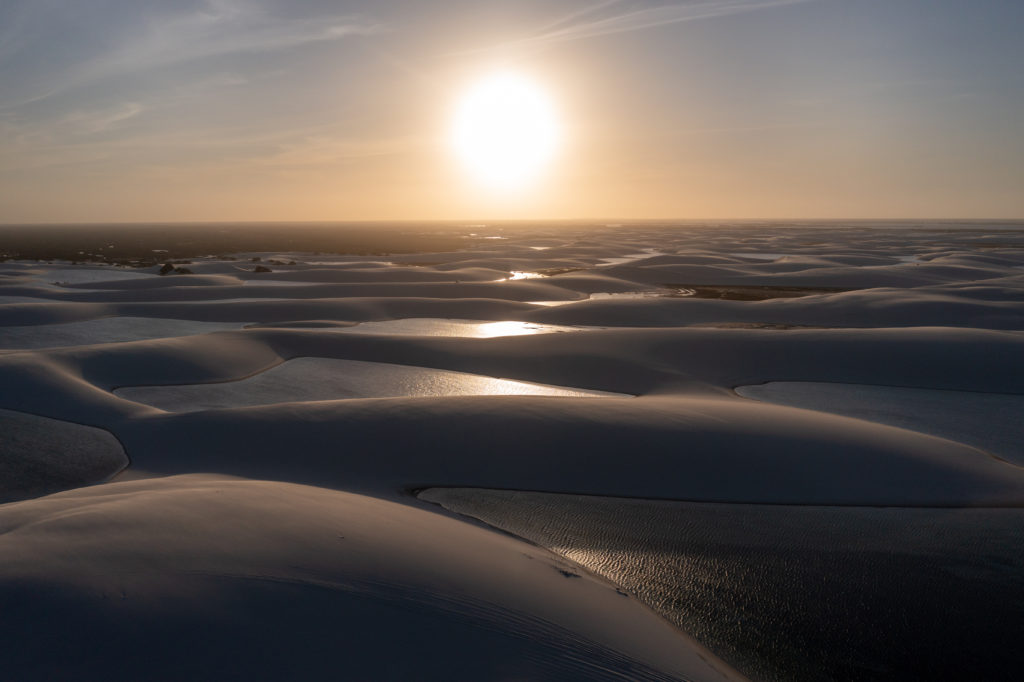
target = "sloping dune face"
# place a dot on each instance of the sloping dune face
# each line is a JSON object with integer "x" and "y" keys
{"x": 167, "y": 577}
{"x": 40, "y": 455}
{"x": 305, "y": 379}
{"x": 989, "y": 421}
{"x": 696, "y": 452}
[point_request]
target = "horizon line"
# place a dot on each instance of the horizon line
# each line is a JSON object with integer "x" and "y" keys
{"x": 486, "y": 221}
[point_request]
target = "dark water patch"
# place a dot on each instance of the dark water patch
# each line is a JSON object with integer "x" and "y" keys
{"x": 39, "y": 455}
{"x": 779, "y": 326}
{"x": 551, "y": 272}
{"x": 799, "y": 593}
{"x": 147, "y": 244}
{"x": 749, "y": 293}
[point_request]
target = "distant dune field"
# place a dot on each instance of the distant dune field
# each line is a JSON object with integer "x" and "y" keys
{"x": 519, "y": 451}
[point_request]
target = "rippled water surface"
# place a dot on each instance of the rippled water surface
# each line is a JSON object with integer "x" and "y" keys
{"x": 799, "y": 593}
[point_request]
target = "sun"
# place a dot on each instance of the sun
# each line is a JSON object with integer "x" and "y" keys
{"x": 505, "y": 130}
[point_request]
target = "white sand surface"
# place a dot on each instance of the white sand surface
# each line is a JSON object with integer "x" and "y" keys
{"x": 19, "y": 299}
{"x": 67, "y": 274}
{"x": 317, "y": 398}
{"x": 167, "y": 578}
{"x": 867, "y": 308}
{"x": 989, "y": 421}
{"x": 305, "y": 379}
{"x": 104, "y": 330}
{"x": 151, "y": 281}
{"x": 686, "y": 449}
{"x": 517, "y": 290}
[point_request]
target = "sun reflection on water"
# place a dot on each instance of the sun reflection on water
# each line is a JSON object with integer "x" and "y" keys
{"x": 520, "y": 274}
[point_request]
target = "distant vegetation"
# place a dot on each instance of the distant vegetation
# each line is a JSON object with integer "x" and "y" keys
{"x": 145, "y": 245}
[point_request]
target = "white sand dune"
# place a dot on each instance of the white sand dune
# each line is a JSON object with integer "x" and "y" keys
{"x": 686, "y": 449}
{"x": 868, "y": 308}
{"x": 316, "y": 398}
{"x": 989, "y": 421}
{"x": 386, "y": 274}
{"x": 130, "y": 576}
{"x": 151, "y": 282}
{"x": 305, "y": 379}
{"x": 510, "y": 291}
{"x": 279, "y": 310}
{"x": 104, "y": 330}
{"x": 635, "y": 361}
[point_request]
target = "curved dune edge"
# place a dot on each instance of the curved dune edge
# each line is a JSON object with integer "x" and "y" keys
{"x": 104, "y": 330}
{"x": 210, "y": 576}
{"x": 685, "y": 439}
{"x": 871, "y": 308}
{"x": 340, "y": 581}
{"x": 987, "y": 421}
{"x": 669, "y": 448}
{"x": 318, "y": 379}
{"x": 633, "y": 361}
{"x": 39, "y": 455}
{"x": 884, "y": 286}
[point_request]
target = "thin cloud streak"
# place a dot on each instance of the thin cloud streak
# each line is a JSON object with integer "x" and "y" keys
{"x": 90, "y": 122}
{"x": 639, "y": 20}
{"x": 220, "y": 28}
{"x": 579, "y": 14}
{"x": 34, "y": 147}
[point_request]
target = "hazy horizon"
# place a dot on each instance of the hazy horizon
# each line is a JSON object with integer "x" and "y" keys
{"x": 614, "y": 221}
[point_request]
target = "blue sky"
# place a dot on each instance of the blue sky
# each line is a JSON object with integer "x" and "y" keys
{"x": 275, "y": 110}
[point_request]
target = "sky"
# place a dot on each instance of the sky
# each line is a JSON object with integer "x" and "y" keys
{"x": 197, "y": 110}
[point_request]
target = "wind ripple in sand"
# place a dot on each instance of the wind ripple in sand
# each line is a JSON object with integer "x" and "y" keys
{"x": 306, "y": 379}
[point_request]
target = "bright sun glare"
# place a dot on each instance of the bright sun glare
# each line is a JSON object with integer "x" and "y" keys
{"x": 505, "y": 130}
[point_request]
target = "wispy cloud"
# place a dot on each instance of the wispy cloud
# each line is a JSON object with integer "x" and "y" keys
{"x": 583, "y": 25}
{"x": 33, "y": 147}
{"x": 212, "y": 29}
{"x": 224, "y": 27}
{"x": 577, "y": 15}
{"x": 97, "y": 121}
{"x": 316, "y": 150}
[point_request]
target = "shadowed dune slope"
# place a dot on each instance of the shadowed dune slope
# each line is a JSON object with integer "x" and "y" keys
{"x": 40, "y": 455}
{"x": 674, "y": 448}
{"x": 165, "y": 579}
